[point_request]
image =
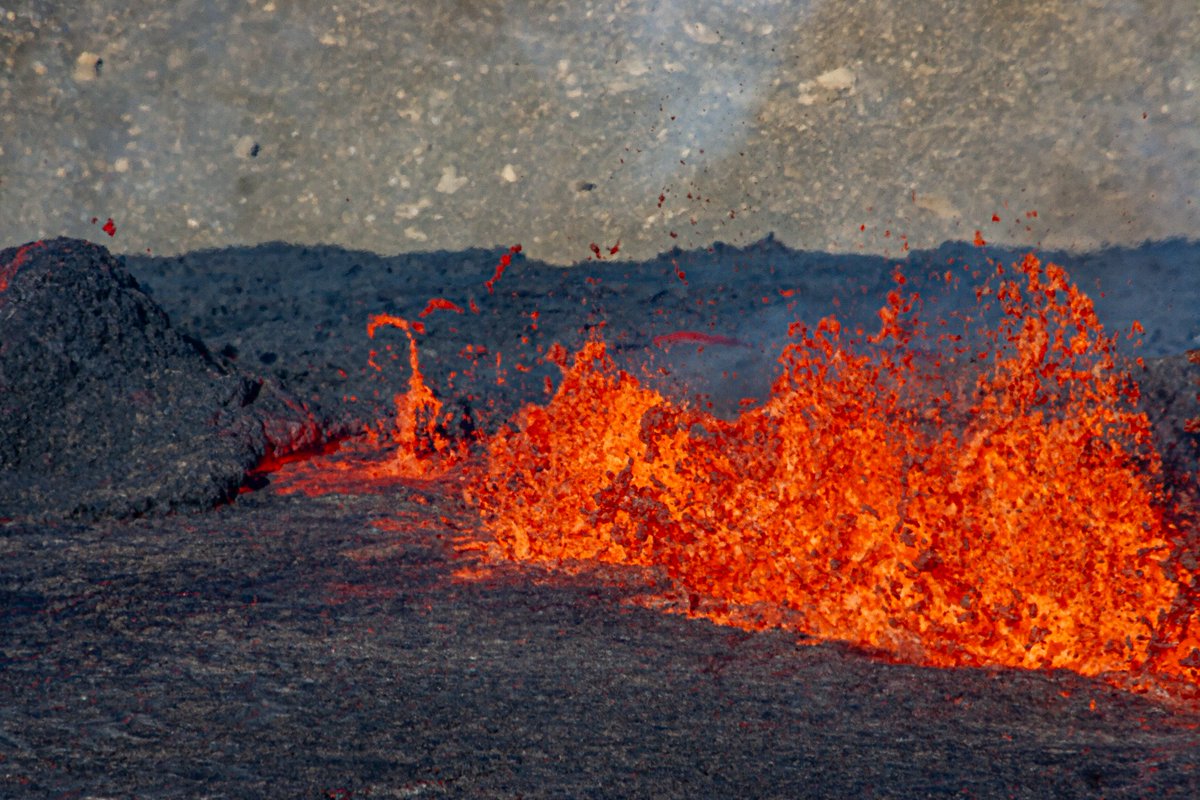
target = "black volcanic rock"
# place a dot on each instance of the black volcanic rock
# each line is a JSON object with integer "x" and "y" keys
{"x": 1168, "y": 396}
{"x": 106, "y": 409}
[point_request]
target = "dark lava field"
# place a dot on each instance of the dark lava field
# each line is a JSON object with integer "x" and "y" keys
{"x": 173, "y": 623}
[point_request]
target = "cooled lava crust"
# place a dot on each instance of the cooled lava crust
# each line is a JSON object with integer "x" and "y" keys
{"x": 108, "y": 410}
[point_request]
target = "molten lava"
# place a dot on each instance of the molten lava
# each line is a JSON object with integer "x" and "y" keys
{"x": 985, "y": 498}
{"x": 416, "y": 434}
{"x": 415, "y": 443}
{"x": 998, "y": 506}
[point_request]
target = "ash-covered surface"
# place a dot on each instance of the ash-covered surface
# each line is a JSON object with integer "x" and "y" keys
{"x": 106, "y": 409}
{"x": 283, "y": 646}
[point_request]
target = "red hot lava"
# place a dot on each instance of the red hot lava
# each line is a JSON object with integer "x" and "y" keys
{"x": 998, "y": 504}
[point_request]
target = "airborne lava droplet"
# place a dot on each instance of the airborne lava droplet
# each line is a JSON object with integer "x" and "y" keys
{"x": 505, "y": 260}
{"x": 440, "y": 303}
{"x": 612, "y": 251}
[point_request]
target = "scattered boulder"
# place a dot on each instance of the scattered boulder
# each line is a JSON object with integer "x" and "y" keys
{"x": 106, "y": 410}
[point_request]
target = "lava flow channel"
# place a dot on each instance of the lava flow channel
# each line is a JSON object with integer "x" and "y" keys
{"x": 1019, "y": 522}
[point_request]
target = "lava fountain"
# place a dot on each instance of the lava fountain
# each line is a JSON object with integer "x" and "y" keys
{"x": 999, "y": 504}
{"x": 986, "y": 496}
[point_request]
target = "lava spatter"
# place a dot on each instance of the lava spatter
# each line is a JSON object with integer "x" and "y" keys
{"x": 1003, "y": 510}
{"x": 983, "y": 498}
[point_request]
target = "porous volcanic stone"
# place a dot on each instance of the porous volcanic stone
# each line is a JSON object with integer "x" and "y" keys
{"x": 106, "y": 409}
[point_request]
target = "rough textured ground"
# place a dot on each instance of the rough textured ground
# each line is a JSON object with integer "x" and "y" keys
{"x": 285, "y": 647}
{"x": 294, "y": 646}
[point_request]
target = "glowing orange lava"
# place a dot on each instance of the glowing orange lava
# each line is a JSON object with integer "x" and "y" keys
{"x": 989, "y": 498}
{"x": 998, "y": 506}
{"x": 416, "y": 434}
{"x": 413, "y": 443}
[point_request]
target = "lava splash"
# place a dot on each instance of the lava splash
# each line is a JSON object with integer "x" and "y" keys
{"x": 994, "y": 500}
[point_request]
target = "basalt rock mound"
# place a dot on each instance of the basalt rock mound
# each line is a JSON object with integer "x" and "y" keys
{"x": 106, "y": 410}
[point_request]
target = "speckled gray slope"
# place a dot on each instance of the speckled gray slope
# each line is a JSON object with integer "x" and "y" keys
{"x": 415, "y": 126}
